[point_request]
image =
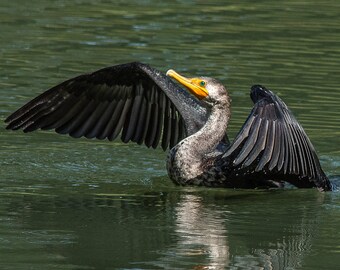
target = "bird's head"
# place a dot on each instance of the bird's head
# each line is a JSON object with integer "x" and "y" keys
{"x": 206, "y": 89}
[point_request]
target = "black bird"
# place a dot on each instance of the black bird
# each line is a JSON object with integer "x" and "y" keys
{"x": 145, "y": 106}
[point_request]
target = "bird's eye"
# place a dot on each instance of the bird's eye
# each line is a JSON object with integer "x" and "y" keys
{"x": 202, "y": 83}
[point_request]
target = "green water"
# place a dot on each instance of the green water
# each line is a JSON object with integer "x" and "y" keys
{"x": 86, "y": 204}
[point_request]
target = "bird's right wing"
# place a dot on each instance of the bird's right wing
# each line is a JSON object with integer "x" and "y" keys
{"x": 272, "y": 145}
{"x": 134, "y": 100}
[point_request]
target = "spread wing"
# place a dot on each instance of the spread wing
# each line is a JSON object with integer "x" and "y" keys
{"x": 134, "y": 100}
{"x": 272, "y": 145}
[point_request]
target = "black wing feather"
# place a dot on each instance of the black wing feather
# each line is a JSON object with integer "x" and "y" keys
{"x": 268, "y": 147}
{"x": 131, "y": 124}
{"x": 120, "y": 116}
{"x": 142, "y": 120}
{"x": 167, "y": 126}
{"x": 174, "y": 130}
{"x": 90, "y": 128}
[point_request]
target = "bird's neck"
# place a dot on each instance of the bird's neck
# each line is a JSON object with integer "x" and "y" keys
{"x": 210, "y": 135}
{"x": 187, "y": 159}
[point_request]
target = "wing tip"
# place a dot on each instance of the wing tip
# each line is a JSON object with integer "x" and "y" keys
{"x": 258, "y": 92}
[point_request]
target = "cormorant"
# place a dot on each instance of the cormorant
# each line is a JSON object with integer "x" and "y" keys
{"x": 147, "y": 107}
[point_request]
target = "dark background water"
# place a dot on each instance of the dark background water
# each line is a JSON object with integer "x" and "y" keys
{"x": 86, "y": 204}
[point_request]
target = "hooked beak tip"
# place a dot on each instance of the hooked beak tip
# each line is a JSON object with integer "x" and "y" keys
{"x": 169, "y": 72}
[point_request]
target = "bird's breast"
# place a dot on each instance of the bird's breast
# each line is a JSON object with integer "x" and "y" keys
{"x": 183, "y": 165}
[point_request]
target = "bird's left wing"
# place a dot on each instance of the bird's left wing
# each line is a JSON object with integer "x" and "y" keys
{"x": 272, "y": 145}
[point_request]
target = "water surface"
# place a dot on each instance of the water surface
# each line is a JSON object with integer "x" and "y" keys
{"x": 87, "y": 204}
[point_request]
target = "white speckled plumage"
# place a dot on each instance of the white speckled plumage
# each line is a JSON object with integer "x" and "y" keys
{"x": 188, "y": 161}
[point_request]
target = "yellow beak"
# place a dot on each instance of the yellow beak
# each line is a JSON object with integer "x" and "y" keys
{"x": 193, "y": 84}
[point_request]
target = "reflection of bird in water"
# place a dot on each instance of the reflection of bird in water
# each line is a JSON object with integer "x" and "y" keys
{"x": 223, "y": 230}
{"x": 145, "y": 106}
{"x": 201, "y": 233}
